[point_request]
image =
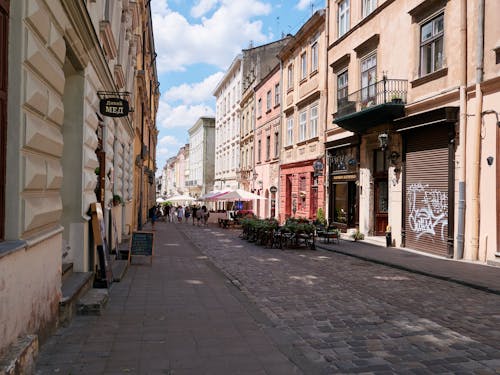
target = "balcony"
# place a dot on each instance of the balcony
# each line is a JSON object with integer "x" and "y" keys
{"x": 378, "y": 103}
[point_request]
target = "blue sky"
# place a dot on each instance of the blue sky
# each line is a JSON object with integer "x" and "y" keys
{"x": 196, "y": 41}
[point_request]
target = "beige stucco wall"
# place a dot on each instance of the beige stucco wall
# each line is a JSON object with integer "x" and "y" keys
{"x": 30, "y": 280}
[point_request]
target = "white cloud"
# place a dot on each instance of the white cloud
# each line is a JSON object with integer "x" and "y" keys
{"x": 168, "y": 140}
{"x": 215, "y": 40}
{"x": 303, "y": 4}
{"x": 194, "y": 93}
{"x": 203, "y": 7}
{"x": 182, "y": 116}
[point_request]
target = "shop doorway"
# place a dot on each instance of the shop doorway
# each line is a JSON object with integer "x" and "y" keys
{"x": 343, "y": 205}
{"x": 381, "y": 193}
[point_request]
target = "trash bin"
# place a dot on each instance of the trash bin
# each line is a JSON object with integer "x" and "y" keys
{"x": 388, "y": 236}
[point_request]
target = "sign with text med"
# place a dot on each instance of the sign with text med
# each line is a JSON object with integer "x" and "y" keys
{"x": 114, "y": 107}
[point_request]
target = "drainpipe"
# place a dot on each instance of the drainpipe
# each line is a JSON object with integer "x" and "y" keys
{"x": 473, "y": 211}
{"x": 462, "y": 130}
{"x": 326, "y": 171}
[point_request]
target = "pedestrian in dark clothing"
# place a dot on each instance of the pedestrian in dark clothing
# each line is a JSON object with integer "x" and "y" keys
{"x": 194, "y": 209}
{"x": 153, "y": 216}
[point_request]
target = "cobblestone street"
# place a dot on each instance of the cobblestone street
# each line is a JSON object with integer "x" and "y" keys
{"x": 358, "y": 316}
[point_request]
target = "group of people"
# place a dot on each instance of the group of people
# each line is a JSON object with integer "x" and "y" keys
{"x": 179, "y": 214}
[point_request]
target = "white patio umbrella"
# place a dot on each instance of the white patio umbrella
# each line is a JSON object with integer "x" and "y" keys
{"x": 237, "y": 195}
{"x": 160, "y": 200}
{"x": 208, "y": 196}
{"x": 180, "y": 198}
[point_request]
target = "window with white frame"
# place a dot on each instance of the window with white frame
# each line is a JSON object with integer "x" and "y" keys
{"x": 259, "y": 150}
{"x": 268, "y": 100}
{"x": 314, "y": 56}
{"x": 303, "y": 66}
{"x": 368, "y": 78}
{"x": 268, "y": 147}
{"x": 289, "y": 130}
{"x": 277, "y": 94}
{"x": 342, "y": 88}
{"x": 368, "y": 7}
{"x": 313, "y": 121}
{"x": 343, "y": 17}
{"x": 302, "y": 125}
{"x": 432, "y": 45}
{"x": 276, "y": 144}
{"x": 290, "y": 76}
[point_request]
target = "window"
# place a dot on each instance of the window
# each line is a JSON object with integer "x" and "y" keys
{"x": 343, "y": 17}
{"x": 268, "y": 147}
{"x": 431, "y": 45}
{"x": 313, "y": 120}
{"x": 342, "y": 88}
{"x": 259, "y": 107}
{"x": 368, "y": 7}
{"x": 277, "y": 94}
{"x": 289, "y": 131}
{"x": 303, "y": 66}
{"x": 259, "y": 149}
{"x": 268, "y": 101}
{"x": 290, "y": 77}
{"x": 276, "y": 144}
{"x": 314, "y": 56}
{"x": 302, "y": 125}
{"x": 368, "y": 78}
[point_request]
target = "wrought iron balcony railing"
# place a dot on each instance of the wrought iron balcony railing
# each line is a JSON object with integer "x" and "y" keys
{"x": 386, "y": 91}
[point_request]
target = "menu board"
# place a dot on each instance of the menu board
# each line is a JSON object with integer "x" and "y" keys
{"x": 141, "y": 244}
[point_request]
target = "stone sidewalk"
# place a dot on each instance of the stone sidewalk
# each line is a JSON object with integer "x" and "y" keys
{"x": 179, "y": 315}
{"x": 475, "y": 275}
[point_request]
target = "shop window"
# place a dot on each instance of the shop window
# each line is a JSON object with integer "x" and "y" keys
{"x": 341, "y": 203}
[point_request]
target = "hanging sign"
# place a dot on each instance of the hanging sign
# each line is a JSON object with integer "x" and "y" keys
{"x": 114, "y": 107}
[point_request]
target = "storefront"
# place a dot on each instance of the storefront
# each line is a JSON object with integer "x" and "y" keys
{"x": 428, "y": 195}
{"x": 343, "y": 182}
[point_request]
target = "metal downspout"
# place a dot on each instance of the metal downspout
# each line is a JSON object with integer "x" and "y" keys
{"x": 462, "y": 130}
{"x": 473, "y": 211}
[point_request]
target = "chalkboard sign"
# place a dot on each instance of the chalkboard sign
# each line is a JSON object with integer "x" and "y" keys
{"x": 141, "y": 244}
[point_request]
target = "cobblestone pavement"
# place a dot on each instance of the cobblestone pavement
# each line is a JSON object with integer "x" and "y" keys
{"x": 361, "y": 317}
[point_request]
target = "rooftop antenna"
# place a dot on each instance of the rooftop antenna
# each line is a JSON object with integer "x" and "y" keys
{"x": 312, "y": 7}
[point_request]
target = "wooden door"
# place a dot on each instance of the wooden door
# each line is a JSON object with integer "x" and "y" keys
{"x": 381, "y": 206}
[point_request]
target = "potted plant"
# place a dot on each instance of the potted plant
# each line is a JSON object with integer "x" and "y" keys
{"x": 396, "y": 98}
{"x": 117, "y": 199}
{"x": 356, "y": 236}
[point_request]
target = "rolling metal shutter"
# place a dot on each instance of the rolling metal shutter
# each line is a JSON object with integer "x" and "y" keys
{"x": 426, "y": 190}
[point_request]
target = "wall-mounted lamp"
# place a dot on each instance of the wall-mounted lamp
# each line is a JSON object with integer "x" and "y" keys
{"x": 383, "y": 140}
{"x": 318, "y": 168}
{"x": 489, "y": 160}
{"x": 394, "y": 157}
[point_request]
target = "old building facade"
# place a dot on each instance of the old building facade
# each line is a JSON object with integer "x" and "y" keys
{"x": 63, "y": 154}
{"x": 201, "y": 157}
{"x": 304, "y": 72}
{"x": 421, "y": 122}
{"x": 265, "y": 174}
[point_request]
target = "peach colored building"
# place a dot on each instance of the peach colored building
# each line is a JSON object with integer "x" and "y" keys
{"x": 415, "y": 105}
{"x": 267, "y": 144}
{"x": 304, "y": 72}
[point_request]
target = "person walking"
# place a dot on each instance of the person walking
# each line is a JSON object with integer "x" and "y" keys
{"x": 206, "y": 215}
{"x": 167, "y": 212}
{"x": 153, "y": 215}
{"x": 180, "y": 213}
{"x": 187, "y": 214}
{"x": 194, "y": 211}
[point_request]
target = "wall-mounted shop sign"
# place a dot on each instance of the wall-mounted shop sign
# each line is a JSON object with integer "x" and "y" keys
{"x": 114, "y": 107}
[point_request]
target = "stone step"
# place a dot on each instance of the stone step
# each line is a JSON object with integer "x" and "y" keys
{"x": 73, "y": 287}
{"x": 119, "y": 268}
{"x": 93, "y": 302}
{"x": 19, "y": 358}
